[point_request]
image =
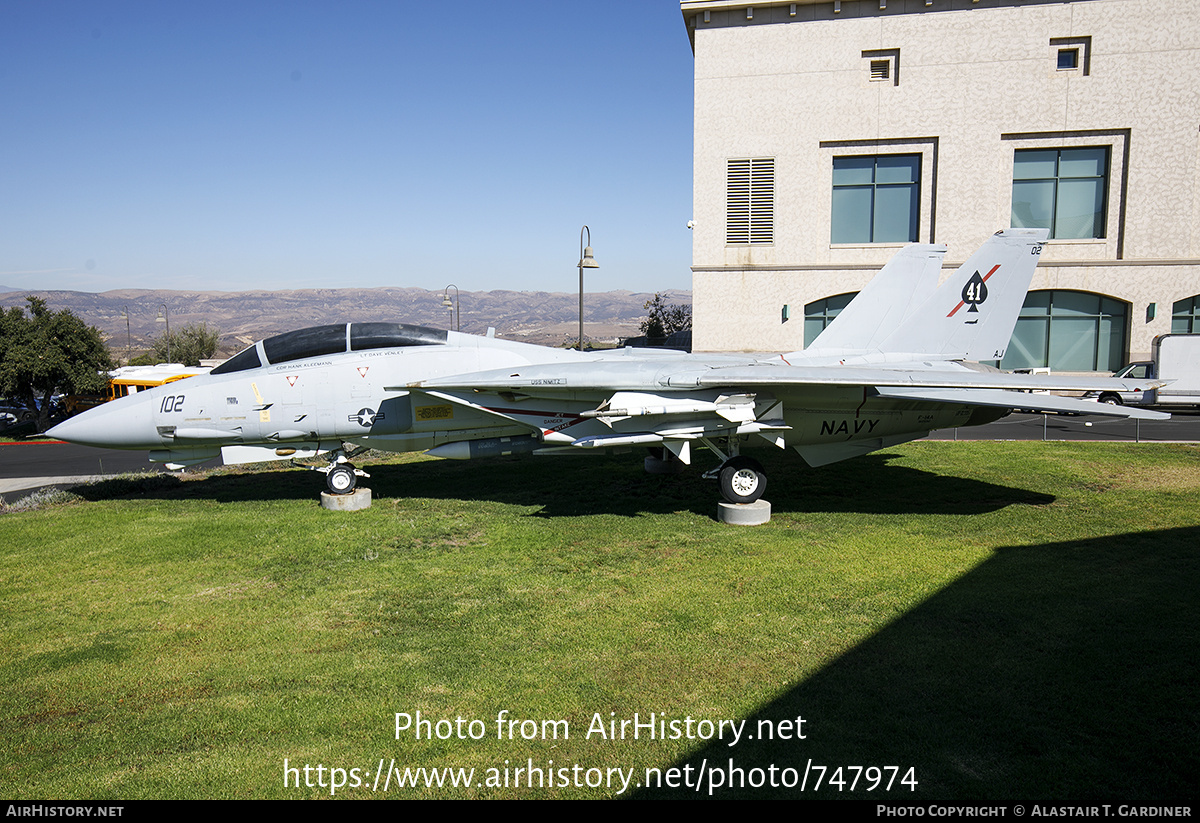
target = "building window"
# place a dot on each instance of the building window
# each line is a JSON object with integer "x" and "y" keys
{"x": 1072, "y": 54}
{"x": 1185, "y": 316}
{"x": 1068, "y": 331}
{"x": 876, "y": 198}
{"x": 750, "y": 201}
{"x": 1063, "y": 190}
{"x": 819, "y": 314}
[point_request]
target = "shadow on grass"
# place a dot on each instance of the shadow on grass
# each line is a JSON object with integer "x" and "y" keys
{"x": 1060, "y": 672}
{"x": 614, "y": 484}
{"x": 107, "y": 647}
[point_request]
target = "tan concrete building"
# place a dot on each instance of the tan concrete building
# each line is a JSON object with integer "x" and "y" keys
{"x": 829, "y": 133}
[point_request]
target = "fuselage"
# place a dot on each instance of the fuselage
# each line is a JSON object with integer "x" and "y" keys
{"x": 307, "y": 389}
{"x": 375, "y": 384}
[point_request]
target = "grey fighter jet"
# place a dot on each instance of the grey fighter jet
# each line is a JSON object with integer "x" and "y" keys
{"x": 899, "y": 361}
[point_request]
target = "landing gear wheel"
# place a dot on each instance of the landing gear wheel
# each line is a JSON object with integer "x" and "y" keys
{"x": 742, "y": 479}
{"x": 341, "y": 479}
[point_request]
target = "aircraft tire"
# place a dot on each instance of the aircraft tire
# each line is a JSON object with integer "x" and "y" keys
{"x": 341, "y": 480}
{"x": 742, "y": 479}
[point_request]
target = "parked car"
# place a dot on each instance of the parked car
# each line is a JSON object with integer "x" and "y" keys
{"x": 1176, "y": 357}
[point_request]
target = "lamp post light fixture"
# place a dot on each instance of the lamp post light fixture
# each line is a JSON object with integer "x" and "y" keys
{"x": 456, "y": 304}
{"x": 586, "y": 261}
{"x": 128, "y": 341}
{"x": 164, "y": 317}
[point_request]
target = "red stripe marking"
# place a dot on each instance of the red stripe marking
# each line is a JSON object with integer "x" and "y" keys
{"x": 567, "y": 416}
{"x": 962, "y": 303}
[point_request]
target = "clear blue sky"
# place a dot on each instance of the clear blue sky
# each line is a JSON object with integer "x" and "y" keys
{"x": 246, "y": 145}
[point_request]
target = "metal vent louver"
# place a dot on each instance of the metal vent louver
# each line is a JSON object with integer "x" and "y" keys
{"x": 750, "y": 201}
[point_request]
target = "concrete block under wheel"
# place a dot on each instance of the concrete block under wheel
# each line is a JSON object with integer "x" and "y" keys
{"x": 356, "y": 500}
{"x": 744, "y": 514}
{"x": 656, "y": 465}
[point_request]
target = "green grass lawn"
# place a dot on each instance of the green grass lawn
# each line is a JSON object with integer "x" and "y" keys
{"x": 1008, "y": 620}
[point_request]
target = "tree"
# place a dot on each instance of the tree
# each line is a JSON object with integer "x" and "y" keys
{"x": 146, "y": 358}
{"x": 191, "y": 344}
{"x": 47, "y": 352}
{"x": 664, "y": 319}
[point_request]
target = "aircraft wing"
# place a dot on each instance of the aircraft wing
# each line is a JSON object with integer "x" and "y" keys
{"x": 698, "y": 372}
{"x": 923, "y": 383}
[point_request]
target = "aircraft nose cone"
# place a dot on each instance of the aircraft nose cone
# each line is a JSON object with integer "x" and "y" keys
{"x": 121, "y": 424}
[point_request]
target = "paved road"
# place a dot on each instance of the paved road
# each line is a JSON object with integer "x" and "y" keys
{"x": 1183, "y": 426}
{"x": 29, "y": 466}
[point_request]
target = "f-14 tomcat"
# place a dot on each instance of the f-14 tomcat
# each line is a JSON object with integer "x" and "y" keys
{"x": 898, "y": 362}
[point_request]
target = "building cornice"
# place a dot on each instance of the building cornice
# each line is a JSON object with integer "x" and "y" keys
{"x": 722, "y": 11}
{"x": 692, "y": 6}
{"x": 1043, "y": 264}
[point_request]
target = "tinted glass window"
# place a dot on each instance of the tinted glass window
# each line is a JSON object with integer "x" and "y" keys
{"x": 247, "y": 359}
{"x": 1068, "y": 331}
{"x": 1185, "y": 316}
{"x": 1062, "y": 190}
{"x": 819, "y": 314}
{"x": 387, "y": 335}
{"x": 876, "y": 198}
{"x": 297, "y": 345}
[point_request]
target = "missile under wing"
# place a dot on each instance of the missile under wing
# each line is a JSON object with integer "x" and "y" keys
{"x": 899, "y": 367}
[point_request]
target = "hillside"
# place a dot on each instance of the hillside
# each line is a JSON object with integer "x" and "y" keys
{"x": 548, "y": 318}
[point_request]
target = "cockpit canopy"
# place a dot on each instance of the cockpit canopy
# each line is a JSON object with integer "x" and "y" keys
{"x": 335, "y": 339}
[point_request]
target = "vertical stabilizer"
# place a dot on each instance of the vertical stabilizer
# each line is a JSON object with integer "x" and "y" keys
{"x": 972, "y": 315}
{"x": 901, "y": 287}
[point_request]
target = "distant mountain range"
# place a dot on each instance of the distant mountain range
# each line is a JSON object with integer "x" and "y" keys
{"x": 548, "y": 318}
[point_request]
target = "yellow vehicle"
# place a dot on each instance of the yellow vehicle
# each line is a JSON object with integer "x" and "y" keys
{"x": 129, "y": 380}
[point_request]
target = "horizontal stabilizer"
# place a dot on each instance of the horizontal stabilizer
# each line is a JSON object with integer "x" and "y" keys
{"x": 1003, "y": 399}
{"x": 778, "y": 375}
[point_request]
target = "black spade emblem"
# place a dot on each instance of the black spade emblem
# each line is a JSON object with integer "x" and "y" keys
{"x": 975, "y": 292}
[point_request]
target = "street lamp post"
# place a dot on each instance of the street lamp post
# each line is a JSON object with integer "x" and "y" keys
{"x": 128, "y": 338}
{"x": 165, "y": 317}
{"x": 456, "y": 304}
{"x": 586, "y": 261}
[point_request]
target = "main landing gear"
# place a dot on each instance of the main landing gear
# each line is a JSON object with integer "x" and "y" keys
{"x": 340, "y": 476}
{"x": 742, "y": 479}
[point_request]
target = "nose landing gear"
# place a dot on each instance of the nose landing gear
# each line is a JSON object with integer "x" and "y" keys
{"x": 340, "y": 476}
{"x": 341, "y": 479}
